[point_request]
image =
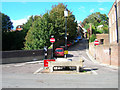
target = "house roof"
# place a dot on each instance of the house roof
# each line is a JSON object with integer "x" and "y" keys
{"x": 19, "y": 25}
{"x": 100, "y": 26}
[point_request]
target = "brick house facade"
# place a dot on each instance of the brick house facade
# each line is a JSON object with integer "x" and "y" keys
{"x": 114, "y": 29}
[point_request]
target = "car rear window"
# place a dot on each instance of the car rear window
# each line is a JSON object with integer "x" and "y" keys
{"x": 59, "y": 50}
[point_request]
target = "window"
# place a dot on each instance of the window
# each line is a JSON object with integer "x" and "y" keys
{"x": 59, "y": 50}
{"x": 101, "y": 41}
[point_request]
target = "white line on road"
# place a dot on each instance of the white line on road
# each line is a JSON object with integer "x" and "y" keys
{"x": 18, "y": 65}
{"x": 94, "y": 72}
{"x": 34, "y": 62}
{"x": 84, "y": 58}
{"x": 40, "y": 69}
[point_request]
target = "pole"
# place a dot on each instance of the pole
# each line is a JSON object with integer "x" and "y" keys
{"x": 45, "y": 52}
{"x": 116, "y": 21}
{"x": 65, "y": 36}
{"x": 52, "y": 47}
{"x": 52, "y": 51}
{"x": 94, "y": 53}
{"x": 86, "y": 43}
{"x": 109, "y": 43}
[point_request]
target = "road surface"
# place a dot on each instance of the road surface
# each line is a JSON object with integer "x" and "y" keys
{"x": 21, "y": 75}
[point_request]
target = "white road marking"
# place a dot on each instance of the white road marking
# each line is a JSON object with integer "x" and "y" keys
{"x": 94, "y": 72}
{"x": 40, "y": 69}
{"x": 84, "y": 58}
{"x": 18, "y": 65}
{"x": 33, "y": 62}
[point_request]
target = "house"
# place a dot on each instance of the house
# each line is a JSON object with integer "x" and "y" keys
{"x": 114, "y": 23}
{"x": 114, "y": 31}
{"x": 19, "y": 28}
{"x": 100, "y": 27}
{"x": 81, "y": 30}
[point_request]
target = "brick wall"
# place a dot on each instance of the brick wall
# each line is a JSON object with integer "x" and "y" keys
{"x": 119, "y": 54}
{"x": 102, "y": 53}
{"x": 103, "y": 36}
{"x": 114, "y": 55}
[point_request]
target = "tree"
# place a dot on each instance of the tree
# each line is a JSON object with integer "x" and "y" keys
{"x": 51, "y": 23}
{"x": 28, "y": 24}
{"x": 96, "y": 19}
{"x": 39, "y": 34}
{"x": 12, "y": 40}
{"x": 58, "y": 20}
{"x": 7, "y": 25}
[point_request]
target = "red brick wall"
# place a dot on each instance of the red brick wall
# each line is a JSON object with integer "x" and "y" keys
{"x": 114, "y": 55}
{"x": 102, "y": 54}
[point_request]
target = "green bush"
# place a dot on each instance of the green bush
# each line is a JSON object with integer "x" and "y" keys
{"x": 106, "y": 31}
{"x": 50, "y": 47}
{"x": 99, "y": 31}
{"x": 92, "y": 38}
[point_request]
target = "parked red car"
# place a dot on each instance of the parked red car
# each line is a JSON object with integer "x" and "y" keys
{"x": 59, "y": 52}
{"x": 69, "y": 44}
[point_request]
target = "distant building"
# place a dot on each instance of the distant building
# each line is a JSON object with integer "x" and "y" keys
{"x": 100, "y": 27}
{"x": 114, "y": 23}
{"x": 103, "y": 39}
{"x": 19, "y": 28}
{"x": 12, "y": 30}
{"x": 81, "y": 30}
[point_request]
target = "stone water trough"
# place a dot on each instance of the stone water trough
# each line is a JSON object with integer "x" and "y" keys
{"x": 62, "y": 62}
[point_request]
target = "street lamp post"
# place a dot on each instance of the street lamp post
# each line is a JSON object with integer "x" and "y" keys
{"x": 52, "y": 48}
{"x": 66, "y": 14}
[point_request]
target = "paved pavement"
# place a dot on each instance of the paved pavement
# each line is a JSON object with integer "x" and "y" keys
{"x": 21, "y": 75}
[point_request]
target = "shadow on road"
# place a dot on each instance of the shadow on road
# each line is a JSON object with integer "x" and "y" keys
{"x": 70, "y": 55}
{"x": 90, "y": 69}
{"x": 81, "y": 45}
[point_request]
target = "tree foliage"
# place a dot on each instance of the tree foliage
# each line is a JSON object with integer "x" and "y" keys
{"x": 92, "y": 38}
{"x": 96, "y": 19}
{"x": 58, "y": 20}
{"x": 39, "y": 34}
{"x": 51, "y": 23}
{"x": 12, "y": 40}
{"x": 28, "y": 24}
{"x": 6, "y": 23}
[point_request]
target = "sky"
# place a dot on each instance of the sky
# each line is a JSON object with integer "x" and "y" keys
{"x": 20, "y": 11}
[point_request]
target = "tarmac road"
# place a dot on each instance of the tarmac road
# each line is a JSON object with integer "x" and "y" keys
{"x": 22, "y": 75}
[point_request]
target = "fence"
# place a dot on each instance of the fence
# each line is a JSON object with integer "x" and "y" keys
{"x": 23, "y": 56}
